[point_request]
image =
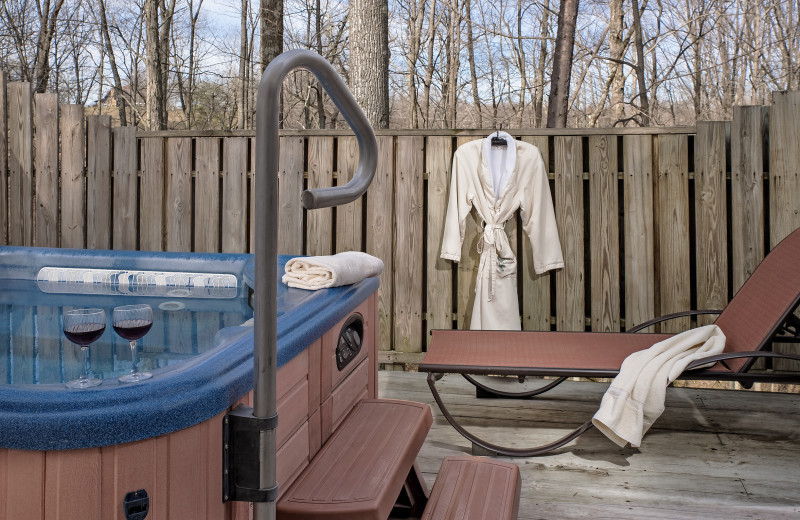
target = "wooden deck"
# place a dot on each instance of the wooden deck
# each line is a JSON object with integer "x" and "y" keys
{"x": 713, "y": 454}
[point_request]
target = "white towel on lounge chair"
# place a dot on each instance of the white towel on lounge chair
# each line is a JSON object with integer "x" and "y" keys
{"x": 321, "y": 272}
{"x": 635, "y": 398}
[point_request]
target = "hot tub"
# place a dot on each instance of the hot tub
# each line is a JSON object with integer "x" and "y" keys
{"x": 77, "y": 453}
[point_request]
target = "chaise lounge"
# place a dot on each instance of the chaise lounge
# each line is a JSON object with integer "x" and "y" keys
{"x": 760, "y": 313}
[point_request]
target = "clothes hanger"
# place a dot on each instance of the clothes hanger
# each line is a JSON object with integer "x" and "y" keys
{"x": 497, "y": 140}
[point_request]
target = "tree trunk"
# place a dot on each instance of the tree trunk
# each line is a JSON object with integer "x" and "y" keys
{"x": 155, "y": 101}
{"x": 523, "y": 76}
{"x": 416, "y": 11}
{"x": 192, "y": 80}
{"x": 471, "y": 56}
{"x": 320, "y": 97}
{"x": 271, "y": 14}
{"x": 167, "y": 12}
{"x": 644, "y": 106}
{"x": 243, "y": 76}
{"x": 118, "y": 92}
{"x": 696, "y": 30}
{"x": 369, "y": 59}
{"x": 538, "y": 100}
{"x": 453, "y": 63}
{"x": 426, "y": 96}
{"x": 47, "y": 30}
{"x": 617, "y": 51}
{"x": 562, "y": 64}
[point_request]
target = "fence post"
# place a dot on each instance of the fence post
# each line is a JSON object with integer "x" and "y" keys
{"x": 408, "y": 256}
{"x": 46, "y": 167}
{"x": 711, "y": 224}
{"x": 98, "y": 182}
{"x": 20, "y": 164}
{"x": 672, "y": 220}
{"x": 604, "y": 233}
{"x": 570, "y": 304}
{"x": 124, "y": 222}
{"x": 73, "y": 188}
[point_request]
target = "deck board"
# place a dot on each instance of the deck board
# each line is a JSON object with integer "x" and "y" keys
{"x": 713, "y": 454}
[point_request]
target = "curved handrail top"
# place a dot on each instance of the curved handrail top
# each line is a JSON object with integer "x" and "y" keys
{"x": 269, "y": 90}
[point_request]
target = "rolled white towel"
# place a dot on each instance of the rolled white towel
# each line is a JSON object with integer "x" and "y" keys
{"x": 320, "y": 272}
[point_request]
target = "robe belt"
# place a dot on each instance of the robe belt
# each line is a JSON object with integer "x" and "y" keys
{"x": 493, "y": 235}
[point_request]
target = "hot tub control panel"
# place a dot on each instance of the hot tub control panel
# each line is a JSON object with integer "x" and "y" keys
{"x": 350, "y": 340}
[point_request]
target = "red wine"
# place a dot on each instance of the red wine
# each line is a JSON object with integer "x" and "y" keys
{"x": 132, "y": 330}
{"x": 85, "y": 333}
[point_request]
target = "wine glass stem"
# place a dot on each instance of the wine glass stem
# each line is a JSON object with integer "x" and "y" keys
{"x": 134, "y": 359}
{"x": 85, "y": 373}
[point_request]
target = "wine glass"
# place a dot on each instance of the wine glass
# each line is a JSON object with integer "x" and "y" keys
{"x": 132, "y": 322}
{"x": 83, "y": 327}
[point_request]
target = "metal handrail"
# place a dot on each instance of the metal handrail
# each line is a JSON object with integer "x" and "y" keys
{"x": 267, "y": 150}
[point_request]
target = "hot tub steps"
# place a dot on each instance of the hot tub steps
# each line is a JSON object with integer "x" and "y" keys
{"x": 475, "y": 488}
{"x": 365, "y": 466}
{"x": 367, "y": 471}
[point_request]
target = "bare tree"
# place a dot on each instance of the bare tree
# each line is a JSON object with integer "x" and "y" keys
{"x": 562, "y": 64}
{"x": 107, "y": 44}
{"x": 271, "y": 20}
{"x": 473, "y": 76}
{"x": 47, "y": 28}
{"x": 369, "y": 65}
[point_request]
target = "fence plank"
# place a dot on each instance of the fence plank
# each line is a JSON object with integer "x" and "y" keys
{"x": 604, "y": 236}
{"x": 672, "y": 216}
{"x": 639, "y": 230}
{"x": 320, "y": 175}
{"x": 784, "y": 170}
{"x": 380, "y": 226}
{"x": 535, "y": 287}
{"x": 439, "y": 299}
{"x": 46, "y": 166}
{"x": 348, "y": 216}
{"x": 206, "y": 195}
{"x": 290, "y": 237}
{"x": 73, "y": 183}
{"x": 20, "y": 164}
{"x": 470, "y": 261}
{"x": 151, "y": 195}
{"x": 234, "y": 196}
{"x": 3, "y": 158}
{"x": 98, "y": 182}
{"x": 570, "y": 305}
{"x": 784, "y": 179}
{"x": 747, "y": 192}
{"x": 125, "y": 187}
{"x": 710, "y": 219}
{"x": 179, "y": 194}
{"x": 408, "y": 259}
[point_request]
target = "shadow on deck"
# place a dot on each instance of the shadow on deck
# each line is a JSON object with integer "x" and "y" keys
{"x": 713, "y": 454}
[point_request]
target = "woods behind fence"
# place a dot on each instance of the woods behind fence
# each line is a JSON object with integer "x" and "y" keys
{"x": 651, "y": 220}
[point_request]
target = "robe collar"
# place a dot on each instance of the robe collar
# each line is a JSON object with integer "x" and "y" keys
{"x": 508, "y": 160}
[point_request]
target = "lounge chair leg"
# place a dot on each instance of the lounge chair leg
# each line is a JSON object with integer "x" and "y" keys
{"x": 483, "y": 391}
{"x": 501, "y": 450}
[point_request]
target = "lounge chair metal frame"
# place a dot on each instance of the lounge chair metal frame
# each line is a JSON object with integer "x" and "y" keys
{"x": 786, "y": 330}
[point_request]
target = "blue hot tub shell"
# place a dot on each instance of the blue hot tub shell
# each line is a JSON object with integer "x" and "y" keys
{"x": 51, "y": 417}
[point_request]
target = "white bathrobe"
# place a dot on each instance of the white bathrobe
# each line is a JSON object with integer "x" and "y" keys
{"x": 496, "y": 181}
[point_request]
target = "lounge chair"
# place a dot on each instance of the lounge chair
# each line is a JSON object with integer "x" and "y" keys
{"x": 761, "y": 312}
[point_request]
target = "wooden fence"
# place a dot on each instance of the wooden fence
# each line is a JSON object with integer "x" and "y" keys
{"x": 651, "y": 220}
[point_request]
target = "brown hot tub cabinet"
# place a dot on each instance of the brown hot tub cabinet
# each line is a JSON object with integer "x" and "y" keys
{"x": 182, "y": 471}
